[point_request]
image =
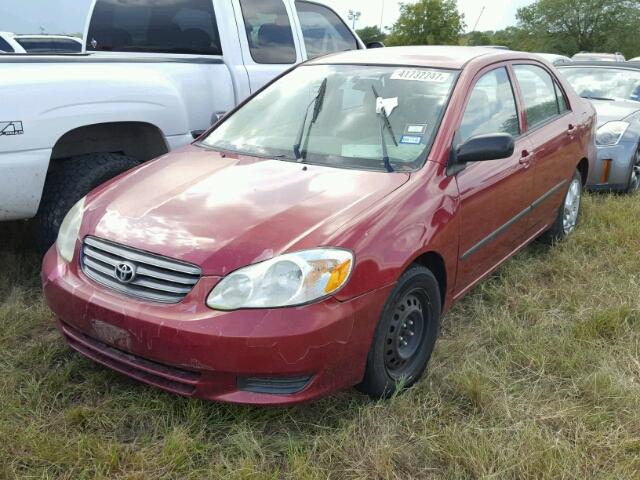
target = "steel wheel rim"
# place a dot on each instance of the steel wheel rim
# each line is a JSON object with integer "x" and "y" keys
{"x": 572, "y": 206}
{"x": 406, "y": 334}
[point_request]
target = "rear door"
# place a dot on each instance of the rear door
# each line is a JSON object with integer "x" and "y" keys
{"x": 495, "y": 195}
{"x": 267, "y": 37}
{"x": 551, "y": 128}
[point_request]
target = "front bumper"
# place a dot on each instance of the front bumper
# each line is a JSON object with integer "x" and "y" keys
{"x": 621, "y": 158}
{"x": 191, "y": 350}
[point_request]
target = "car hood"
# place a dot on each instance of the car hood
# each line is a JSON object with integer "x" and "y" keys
{"x": 609, "y": 111}
{"x": 223, "y": 212}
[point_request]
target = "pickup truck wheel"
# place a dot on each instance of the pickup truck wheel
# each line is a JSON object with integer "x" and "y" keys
{"x": 405, "y": 336}
{"x": 67, "y": 183}
{"x": 568, "y": 214}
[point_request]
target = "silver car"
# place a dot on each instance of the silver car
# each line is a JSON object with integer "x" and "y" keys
{"x": 598, "y": 57}
{"x": 614, "y": 90}
{"x": 554, "y": 58}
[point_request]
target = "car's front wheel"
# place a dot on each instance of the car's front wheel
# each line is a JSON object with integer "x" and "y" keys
{"x": 569, "y": 212}
{"x": 405, "y": 336}
{"x": 634, "y": 175}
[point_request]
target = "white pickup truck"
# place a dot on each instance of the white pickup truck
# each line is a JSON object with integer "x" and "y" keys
{"x": 153, "y": 75}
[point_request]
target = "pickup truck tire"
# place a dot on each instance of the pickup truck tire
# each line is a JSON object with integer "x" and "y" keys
{"x": 568, "y": 214}
{"x": 69, "y": 181}
{"x": 405, "y": 335}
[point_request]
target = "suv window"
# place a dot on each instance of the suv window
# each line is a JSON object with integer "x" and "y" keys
{"x": 324, "y": 32}
{"x": 5, "y": 47}
{"x": 268, "y": 31}
{"x": 539, "y": 94}
{"x": 170, "y": 26}
{"x": 491, "y": 108}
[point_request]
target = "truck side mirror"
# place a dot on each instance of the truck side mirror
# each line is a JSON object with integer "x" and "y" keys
{"x": 375, "y": 45}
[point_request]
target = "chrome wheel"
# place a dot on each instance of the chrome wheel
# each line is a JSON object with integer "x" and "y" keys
{"x": 634, "y": 181}
{"x": 405, "y": 334}
{"x": 572, "y": 206}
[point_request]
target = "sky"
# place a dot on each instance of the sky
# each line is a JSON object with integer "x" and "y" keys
{"x": 69, "y": 16}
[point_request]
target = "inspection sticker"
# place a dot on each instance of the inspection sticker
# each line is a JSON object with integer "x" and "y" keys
{"x": 411, "y": 139}
{"x": 420, "y": 75}
{"x": 416, "y": 129}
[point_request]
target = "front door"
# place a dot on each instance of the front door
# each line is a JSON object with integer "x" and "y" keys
{"x": 495, "y": 195}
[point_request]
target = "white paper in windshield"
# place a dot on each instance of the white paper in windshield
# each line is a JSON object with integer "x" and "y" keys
{"x": 421, "y": 75}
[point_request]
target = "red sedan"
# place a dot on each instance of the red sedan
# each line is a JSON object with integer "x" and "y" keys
{"x": 311, "y": 240}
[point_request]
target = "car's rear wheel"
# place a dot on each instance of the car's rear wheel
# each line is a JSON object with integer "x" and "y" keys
{"x": 634, "y": 175}
{"x": 569, "y": 212}
{"x": 67, "y": 183}
{"x": 405, "y": 336}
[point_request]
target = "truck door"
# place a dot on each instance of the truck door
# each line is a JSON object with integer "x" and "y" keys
{"x": 267, "y": 39}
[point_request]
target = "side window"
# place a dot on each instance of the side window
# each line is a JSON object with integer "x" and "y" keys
{"x": 562, "y": 102}
{"x": 268, "y": 31}
{"x": 168, "y": 26}
{"x": 5, "y": 47}
{"x": 539, "y": 94}
{"x": 324, "y": 32}
{"x": 36, "y": 45}
{"x": 491, "y": 108}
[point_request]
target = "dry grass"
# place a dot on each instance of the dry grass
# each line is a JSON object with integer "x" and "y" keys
{"x": 537, "y": 375}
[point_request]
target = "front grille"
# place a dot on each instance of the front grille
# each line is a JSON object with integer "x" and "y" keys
{"x": 154, "y": 278}
{"x": 177, "y": 380}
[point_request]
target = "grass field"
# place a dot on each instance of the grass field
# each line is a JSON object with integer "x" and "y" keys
{"x": 536, "y": 375}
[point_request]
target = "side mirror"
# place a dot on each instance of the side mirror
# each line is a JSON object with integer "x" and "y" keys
{"x": 375, "y": 45}
{"x": 484, "y": 148}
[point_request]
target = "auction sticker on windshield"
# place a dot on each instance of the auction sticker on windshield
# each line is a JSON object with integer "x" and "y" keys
{"x": 420, "y": 75}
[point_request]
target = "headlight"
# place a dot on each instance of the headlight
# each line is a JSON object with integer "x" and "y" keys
{"x": 610, "y": 133}
{"x": 285, "y": 281}
{"x": 69, "y": 231}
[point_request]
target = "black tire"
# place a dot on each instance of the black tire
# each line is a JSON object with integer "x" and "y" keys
{"x": 558, "y": 232}
{"x": 66, "y": 183}
{"x": 411, "y": 312}
{"x": 634, "y": 174}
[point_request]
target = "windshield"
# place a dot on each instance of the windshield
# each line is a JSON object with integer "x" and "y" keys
{"x": 342, "y": 115}
{"x": 604, "y": 83}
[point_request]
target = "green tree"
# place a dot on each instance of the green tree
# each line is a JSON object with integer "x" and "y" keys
{"x": 371, "y": 34}
{"x": 428, "y": 22}
{"x": 475, "y": 39}
{"x": 569, "y": 26}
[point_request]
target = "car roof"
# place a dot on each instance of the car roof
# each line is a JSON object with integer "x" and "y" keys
{"x": 449, "y": 57}
{"x": 623, "y": 65}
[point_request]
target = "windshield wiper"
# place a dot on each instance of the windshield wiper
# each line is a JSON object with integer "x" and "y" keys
{"x": 591, "y": 97}
{"x": 317, "y": 104}
{"x": 385, "y": 123}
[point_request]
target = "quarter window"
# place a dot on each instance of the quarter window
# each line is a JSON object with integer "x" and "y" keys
{"x": 562, "y": 103}
{"x": 491, "y": 108}
{"x": 323, "y": 31}
{"x": 169, "y": 26}
{"x": 268, "y": 31}
{"x": 539, "y": 94}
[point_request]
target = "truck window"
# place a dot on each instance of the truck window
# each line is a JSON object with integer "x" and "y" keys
{"x": 62, "y": 45}
{"x": 170, "y": 26}
{"x": 5, "y": 47}
{"x": 268, "y": 31}
{"x": 36, "y": 45}
{"x": 324, "y": 32}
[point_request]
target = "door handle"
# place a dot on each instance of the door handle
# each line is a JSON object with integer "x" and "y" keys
{"x": 525, "y": 158}
{"x": 571, "y": 130}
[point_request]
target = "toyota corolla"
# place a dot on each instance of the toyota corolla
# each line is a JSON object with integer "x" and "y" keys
{"x": 312, "y": 239}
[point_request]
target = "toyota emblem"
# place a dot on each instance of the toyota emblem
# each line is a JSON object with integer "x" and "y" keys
{"x": 125, "y": 272}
